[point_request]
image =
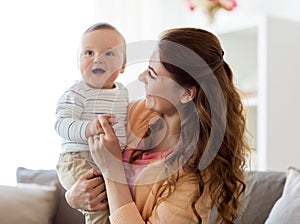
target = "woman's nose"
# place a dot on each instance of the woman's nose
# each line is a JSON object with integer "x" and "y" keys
{"x": 142, "y": 77}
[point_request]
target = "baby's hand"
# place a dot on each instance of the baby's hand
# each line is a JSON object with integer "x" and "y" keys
{"x": 111, "y": 118}
{"x": 93, "y": 128}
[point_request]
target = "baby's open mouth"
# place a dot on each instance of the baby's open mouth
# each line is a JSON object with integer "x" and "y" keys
{"x": 98, "y": 71}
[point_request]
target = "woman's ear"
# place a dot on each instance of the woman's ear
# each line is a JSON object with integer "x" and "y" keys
{"x": 122, "y": 69}
{"x": 188, "y": 94}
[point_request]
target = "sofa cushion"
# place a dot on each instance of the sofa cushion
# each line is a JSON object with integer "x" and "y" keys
{"x": 287, "y": 208}
{"x": 28, "y": 204}
{"x": 64, "y": 213}
{"x": 262, "y": 191}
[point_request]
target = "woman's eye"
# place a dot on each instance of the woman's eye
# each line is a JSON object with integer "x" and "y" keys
{"x": 150, "y": 75}
{"x": 89, "y": 53}
{"x": 109, "y": 53}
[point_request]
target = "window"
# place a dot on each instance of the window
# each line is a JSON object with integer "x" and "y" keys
{"x": 39, "y": 42}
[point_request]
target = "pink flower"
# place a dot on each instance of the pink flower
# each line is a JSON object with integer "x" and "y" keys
{"x": 211, "y": 7}
{"x": 228, "y": 4}
{"x": 190, "y": 4}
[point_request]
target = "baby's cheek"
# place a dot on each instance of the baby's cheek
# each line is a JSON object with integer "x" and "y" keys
{"x": 117, "y": 64}
{"x": 84, "y": 65}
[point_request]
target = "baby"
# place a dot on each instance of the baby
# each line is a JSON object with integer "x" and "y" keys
{"x": 102, "y": 58}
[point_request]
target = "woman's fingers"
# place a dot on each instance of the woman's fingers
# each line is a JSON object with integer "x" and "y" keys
{"x": 97, "y": 182}
{"x": 91, "y": 140}
{"x": 88, "y": 175}
{"x": 97, "y": 198}
{"x": 97, "y": 172}
{"x": 107, "y": 129}
{"x": 105, "y": 151}
{"x": 88, "y": 192}
{"x": 99, "y": 202}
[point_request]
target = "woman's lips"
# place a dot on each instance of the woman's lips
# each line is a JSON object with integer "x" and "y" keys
{"x": 148, "y": 95}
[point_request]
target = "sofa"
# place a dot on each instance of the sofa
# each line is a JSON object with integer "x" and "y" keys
{"x": 39, "y": 198}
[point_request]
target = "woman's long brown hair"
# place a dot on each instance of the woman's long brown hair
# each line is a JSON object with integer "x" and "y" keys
{"x": 226, "y": 170}
{"x": 224, "y": 175}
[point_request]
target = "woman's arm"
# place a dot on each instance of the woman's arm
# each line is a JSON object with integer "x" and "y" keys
{"x": 107, "y": 155}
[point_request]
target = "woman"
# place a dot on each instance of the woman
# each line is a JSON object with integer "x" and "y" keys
{"x": 192, "y": 157}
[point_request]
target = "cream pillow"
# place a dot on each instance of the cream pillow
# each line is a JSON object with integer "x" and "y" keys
{"x": 287, "y": 208}
{"x": 27, "y": 204}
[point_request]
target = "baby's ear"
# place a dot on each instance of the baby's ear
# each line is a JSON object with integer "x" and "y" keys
{"x": 188, "y": 94}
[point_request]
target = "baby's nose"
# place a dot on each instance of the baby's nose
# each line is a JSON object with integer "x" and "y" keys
{"x": 98, "y": 59}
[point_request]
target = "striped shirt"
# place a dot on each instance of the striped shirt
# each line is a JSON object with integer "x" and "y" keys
{"x": 81, "y": 104}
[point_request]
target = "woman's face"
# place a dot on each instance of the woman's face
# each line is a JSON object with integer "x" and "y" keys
{"x": 162, "y": 92}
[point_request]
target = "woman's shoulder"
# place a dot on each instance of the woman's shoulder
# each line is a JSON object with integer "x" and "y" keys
{"x": 138, "y": 104}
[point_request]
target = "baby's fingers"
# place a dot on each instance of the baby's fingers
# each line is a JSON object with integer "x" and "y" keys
{"x": 111, "y": 118}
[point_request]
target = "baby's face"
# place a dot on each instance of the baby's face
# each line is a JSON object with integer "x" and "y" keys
{"x": 102, "y": 58}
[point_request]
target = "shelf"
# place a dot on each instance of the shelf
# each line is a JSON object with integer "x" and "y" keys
{"x": 263, "y": 55}
{"x": 250, "y": 102}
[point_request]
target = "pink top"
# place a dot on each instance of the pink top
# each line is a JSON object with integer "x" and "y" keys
{"x": 140, "y": 164}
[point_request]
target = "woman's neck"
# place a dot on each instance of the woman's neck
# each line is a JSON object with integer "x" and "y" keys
{"x": 172, "y": 123}
{"x": 171, "y": 134}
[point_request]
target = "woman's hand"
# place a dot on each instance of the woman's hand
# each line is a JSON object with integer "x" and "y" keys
{"x": 88, "y": 193}
{"x": 105, "y": 149}
{"x": 107, "y": 155}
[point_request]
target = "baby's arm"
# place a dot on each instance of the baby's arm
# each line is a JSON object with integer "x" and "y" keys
{"x": 68, "y": 116}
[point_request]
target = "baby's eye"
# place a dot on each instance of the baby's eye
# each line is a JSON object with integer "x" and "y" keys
{"x": 109, "y": 53}
{"x": 89, "y": 53}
